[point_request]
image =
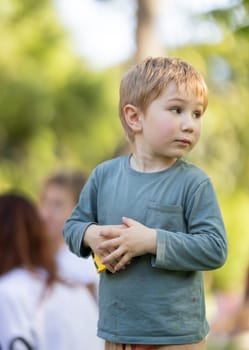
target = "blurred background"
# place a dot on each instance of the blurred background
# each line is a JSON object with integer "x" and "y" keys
{"x": 60, "y": 66}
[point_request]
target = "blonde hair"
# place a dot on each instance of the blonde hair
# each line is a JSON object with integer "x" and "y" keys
{"x": 145, "y": 81}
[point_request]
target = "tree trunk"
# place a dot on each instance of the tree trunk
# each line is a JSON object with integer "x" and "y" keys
{"x": 147, "y": 38}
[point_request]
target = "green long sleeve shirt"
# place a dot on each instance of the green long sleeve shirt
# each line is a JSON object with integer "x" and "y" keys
{"x": 157, "y": 299}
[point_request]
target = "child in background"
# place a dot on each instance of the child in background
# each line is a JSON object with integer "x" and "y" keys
{"x": 230, "y": 328}
{"x": 59, "y": 196}
{"x": 37, "y": 308}
{"x": 152, "y": 217}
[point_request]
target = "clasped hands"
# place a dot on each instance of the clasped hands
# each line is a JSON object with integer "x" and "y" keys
{"x": 116, "y": 245}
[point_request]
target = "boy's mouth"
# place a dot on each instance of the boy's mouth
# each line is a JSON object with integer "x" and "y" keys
{"x": 184, "y": 142}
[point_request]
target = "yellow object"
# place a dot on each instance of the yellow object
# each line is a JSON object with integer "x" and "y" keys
{"x": 98, "y": 264}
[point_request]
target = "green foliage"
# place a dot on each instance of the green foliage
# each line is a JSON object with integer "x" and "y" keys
{"x": 235, "y": 212}
{"x": 54, "y": 112}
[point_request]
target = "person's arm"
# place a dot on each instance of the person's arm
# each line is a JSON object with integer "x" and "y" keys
{"x": 83, "y": 217}
{"x": 203, "y": 247}
{"x": 81, "y": 231}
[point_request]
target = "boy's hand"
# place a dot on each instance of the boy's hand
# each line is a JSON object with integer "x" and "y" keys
{"x": 93, "y": 239}
{"x": 124, "y": 242}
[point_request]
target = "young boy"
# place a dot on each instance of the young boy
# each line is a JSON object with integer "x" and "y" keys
{"x": 152, "y": 217}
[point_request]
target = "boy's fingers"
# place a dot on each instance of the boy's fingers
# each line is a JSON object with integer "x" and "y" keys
{"x": 128, "y": 221}
{"x": 109, "y": 245}
{"x": 114, "y": 257}
{"x": 113, "y": 231}
{"x": 108, "y": 234}
{"x": 121, "y": 265}
{"x": 116, "y": 261}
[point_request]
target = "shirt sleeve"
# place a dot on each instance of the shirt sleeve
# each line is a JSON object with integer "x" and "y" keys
{"x": 83, "y": 215}
{"x": 204, "y": 245}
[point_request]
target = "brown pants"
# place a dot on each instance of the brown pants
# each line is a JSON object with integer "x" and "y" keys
{"x": 195, "y": 346}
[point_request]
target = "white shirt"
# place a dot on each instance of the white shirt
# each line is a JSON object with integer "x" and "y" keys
{"x": 65, "y": 319}
{"x": 74, "y": 268}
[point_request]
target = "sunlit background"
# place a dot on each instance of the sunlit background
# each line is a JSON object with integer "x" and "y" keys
{"x": 60, "y": 66}
{"x": 103, "y": 32}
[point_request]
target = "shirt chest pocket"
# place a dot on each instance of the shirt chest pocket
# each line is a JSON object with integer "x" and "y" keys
{"x": 167, "y": 217}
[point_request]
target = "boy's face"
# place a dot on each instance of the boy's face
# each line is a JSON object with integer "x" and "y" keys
{"x": 171, "y": 125}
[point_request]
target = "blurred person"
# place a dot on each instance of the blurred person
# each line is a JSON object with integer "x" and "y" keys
{"x": 59, "y": 195}
{"x": 38, "y": 309}
{"x": 231, "y": 330}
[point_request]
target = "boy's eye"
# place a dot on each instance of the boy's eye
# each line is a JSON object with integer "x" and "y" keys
{"x": 197, "y": 114}
{"x": 176, "y": 110}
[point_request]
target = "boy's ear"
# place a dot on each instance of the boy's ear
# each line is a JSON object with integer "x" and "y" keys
{"x": 132, "y": 116}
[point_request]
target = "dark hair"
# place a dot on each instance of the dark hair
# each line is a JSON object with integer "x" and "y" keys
{"x": 24, "y": 240}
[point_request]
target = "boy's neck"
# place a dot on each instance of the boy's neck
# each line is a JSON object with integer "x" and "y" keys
{"x": 147, "y": 165}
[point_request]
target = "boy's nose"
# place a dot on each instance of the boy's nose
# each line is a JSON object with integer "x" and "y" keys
{"x": 188, "y": 122}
